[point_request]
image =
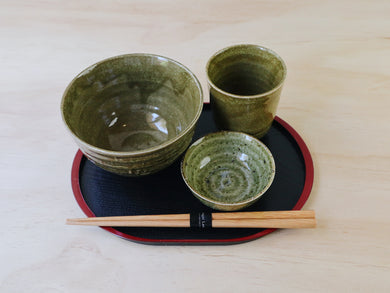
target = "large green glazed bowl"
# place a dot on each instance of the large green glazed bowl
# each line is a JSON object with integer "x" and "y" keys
{"x": 228, "y": 170}
{"x": 133, "y": 114}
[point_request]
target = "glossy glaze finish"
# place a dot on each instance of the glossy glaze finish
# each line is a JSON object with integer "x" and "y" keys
{"x": 245, "y": 82}
{"x": 133, "y": 114}
{"x": 228, "y": 170}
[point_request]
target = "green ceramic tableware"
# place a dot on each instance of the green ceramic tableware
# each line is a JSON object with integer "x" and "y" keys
{"x": 133, "y": 114}
{"x": 228, "y": 170}
{"x": 245, "y": 82}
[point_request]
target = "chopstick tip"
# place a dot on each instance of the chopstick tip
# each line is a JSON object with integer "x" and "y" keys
{"x": 71, "y": 221}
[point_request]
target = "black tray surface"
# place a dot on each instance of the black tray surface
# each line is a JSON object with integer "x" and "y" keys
{"x": 100, "y": 193}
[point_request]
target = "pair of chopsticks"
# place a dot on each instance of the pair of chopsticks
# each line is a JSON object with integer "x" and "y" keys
{"x": 269, "y": 219}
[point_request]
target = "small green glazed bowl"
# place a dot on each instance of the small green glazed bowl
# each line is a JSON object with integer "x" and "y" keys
{"x": 228, "y": 170}
{"x": 133, "y": 114}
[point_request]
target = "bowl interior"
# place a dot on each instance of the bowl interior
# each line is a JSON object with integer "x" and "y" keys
{"x": 131, "y": 102}
{"x": 228, "y": 167}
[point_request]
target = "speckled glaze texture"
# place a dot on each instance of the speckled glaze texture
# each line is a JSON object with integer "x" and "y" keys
{"x": 228, "y": 170}
{"x": 245, "y": 83}
{"x": 133, "y": 114}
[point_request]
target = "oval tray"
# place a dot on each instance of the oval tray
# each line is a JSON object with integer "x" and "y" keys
{"x": 100, "y": 193}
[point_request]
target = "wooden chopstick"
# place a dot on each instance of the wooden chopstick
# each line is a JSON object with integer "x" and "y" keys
{"x": 269, "y": 219}
{"x": 265, "y": 215}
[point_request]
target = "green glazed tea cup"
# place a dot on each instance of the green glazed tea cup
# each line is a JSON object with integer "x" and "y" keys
{"x": 133, "y": 114}
{"x": 228, "y": 170}
{"x": 245, "y": 82}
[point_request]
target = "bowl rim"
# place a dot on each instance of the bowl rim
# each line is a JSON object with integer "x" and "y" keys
{"x": 248, "y": 97}
{"x": 103, "y": 151}
{"x": 227, "y": 133}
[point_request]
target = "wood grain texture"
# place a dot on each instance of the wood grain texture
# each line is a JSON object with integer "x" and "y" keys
{"x": 336, "y": 96}
{"x": 272, "y": 219}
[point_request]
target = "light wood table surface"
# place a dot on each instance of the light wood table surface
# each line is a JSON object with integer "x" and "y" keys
{"x": 337, "y": 96}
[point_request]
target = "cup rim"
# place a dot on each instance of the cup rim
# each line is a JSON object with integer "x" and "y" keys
{"x": 251, "y": 199}
{"x": 280, "y": 84}
{"x": 103, "y": 151}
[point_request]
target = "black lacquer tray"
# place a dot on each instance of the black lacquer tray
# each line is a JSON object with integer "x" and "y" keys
{"x": 100, "y": 193}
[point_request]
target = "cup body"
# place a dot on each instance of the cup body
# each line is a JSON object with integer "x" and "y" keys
{"x": 245, "y": 83}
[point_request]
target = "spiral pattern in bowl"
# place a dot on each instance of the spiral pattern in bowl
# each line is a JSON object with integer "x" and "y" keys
{"x": 228, "y": 170}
